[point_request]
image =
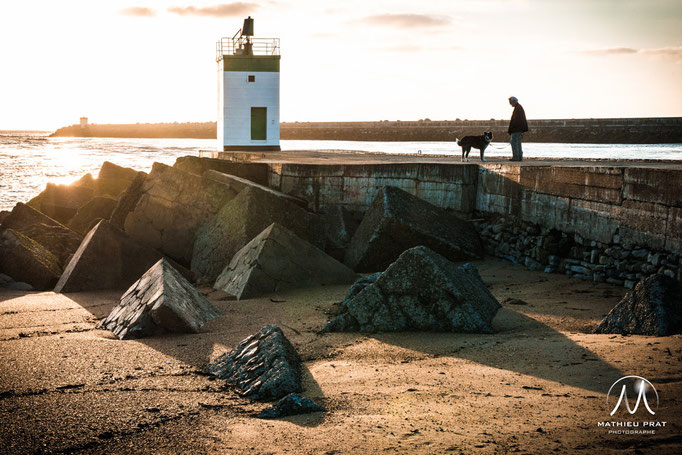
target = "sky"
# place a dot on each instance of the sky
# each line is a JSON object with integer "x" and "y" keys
{"x": 352, "y": 60}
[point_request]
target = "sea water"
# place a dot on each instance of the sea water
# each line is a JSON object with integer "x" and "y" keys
{"x": 30, "y": 159}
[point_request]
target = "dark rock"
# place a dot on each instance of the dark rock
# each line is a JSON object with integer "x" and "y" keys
{"x": 340, "y": 225}
{"x": 291, "y": 405}
{"x": 256, "y": 172}
{"x": 238, "y": 184}
{"x": 653, "y": 308}
{"x": 98, "y": 207}
{"x": 264, "y": 366}
{"x": 60, "y": 241}
{"x": 3, "y": 215}
{"x": 421, "y": 290}
{"x": 242, "y": 219}
{"x": 128, "y": 200}
{"x": 106, "y": 259}
{"x": 57, "y": 238}
{"x": 113, "y": 180}
{"x": 61, "y": 202}
{"x": 26, "y": 260}
{"x": 161, "y": 300}
{"x": 19, "y": 286}
{"x": 23, "y": 215}
{"x": 277, "y": 260}
{"x": 397, "y": 221}
{"x": 172, "y": 206}
{"x": 4, "y": 279}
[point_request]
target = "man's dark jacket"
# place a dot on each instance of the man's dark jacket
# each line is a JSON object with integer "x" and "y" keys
{"x": 518, "y": 123}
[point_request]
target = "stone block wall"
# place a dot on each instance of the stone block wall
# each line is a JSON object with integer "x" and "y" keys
{"x": 353, "y": 186}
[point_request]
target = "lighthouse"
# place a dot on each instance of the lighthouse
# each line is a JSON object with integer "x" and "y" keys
{"x": 248, "y": 91}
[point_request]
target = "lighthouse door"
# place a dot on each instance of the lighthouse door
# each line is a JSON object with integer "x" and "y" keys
{"x": 258, "y": 123}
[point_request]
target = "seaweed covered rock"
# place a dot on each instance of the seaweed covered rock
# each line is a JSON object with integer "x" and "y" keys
{"x": 96, "y": 208}
{"x": 26, "y": 260}
{"x": 106, "y": 259}
{"x": 421, "y": 290}
{"x": 276, "y": 260}
{"x": 242, "y": 219}
{"x": 291, "y": 405}
{"x": 653, "y": 308}
{"x": 263, "y": 367}
{"x": 397, "y": 221}
{"x": 171, "y": 207}
{"x": 162, "y": 300}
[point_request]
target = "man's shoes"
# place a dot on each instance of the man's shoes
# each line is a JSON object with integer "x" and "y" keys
{"x": 514, "y": 159}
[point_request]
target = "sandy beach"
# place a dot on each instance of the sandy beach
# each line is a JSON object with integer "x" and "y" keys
{"x": 537, "y": 385}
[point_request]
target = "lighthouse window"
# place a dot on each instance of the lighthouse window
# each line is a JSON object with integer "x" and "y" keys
{"x": 252, "y": 78}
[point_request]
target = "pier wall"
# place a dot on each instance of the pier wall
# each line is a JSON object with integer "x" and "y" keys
{"x": 638, "y": 206}
{"x": 613, "y": 222}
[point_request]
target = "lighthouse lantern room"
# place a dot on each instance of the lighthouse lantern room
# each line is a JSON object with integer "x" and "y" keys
{"x": 248, "y": 91}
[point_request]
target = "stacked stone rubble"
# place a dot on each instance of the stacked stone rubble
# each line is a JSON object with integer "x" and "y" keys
{"x": 552, "y": 251}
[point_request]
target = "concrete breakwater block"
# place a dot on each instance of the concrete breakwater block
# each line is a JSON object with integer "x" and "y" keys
{"x": 653, "y": 308}
{"x": 95, "y": 208}
{"x": 171, "y": 206}
{"x": 113, "y": 180}
{"x": 242, "y": 219}
{"x": 276, "y": 260}
{"x": 264, "y": 366}
{"x": 61, "y": 202}
{"x": 291, "y": 405}
{"x": 26, "y": 260}
{"x": 421, "y": 290}
{"x": 57, "y": 238}
{"x": 255, "y": 172}
{"x": 106, "y": 259}
{"x": 397, "y": 221}
{"x": 162, "y": 300}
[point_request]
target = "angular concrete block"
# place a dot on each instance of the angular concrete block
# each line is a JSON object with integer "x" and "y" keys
{"x": 264, "y": 366}
{"x": 397, "y": 221}
{"x": 26, "y": 260}
{"x": 95, "y": 208}
{"x": 106, "y": 259}
{"x": 51, "y": 234}
{"x": 162, "y": 300}
{"x": 242, "y": 219}
{"x": 421, "y": 290}
{"x": 653, "y": 308}
{"x": 171, "y": 207}
{"x": 276, "y": 260}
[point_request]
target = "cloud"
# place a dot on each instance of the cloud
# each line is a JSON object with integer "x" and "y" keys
{"x": 413, "y": 48}
{"x": 224, "y": 10}
{"x": 667, "y": 51}
{"x": 407, "y": 20}
{"x": 662, "y": 51}
{"x": 138, "y": 11}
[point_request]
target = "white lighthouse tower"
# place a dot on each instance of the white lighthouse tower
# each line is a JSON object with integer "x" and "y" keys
{"x": 248, "y": 91}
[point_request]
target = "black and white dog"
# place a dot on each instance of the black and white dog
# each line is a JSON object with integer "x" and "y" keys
{"x": 477, "y": 142}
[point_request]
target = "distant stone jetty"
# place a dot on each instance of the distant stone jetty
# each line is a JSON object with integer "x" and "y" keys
{"x": 601, "y": 131}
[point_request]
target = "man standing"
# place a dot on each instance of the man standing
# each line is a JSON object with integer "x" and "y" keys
{"x": 517, "y": 126}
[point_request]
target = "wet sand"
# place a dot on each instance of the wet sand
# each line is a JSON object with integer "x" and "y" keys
{"x": 538, "y": 385}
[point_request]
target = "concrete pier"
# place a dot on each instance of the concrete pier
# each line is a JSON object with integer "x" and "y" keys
{"x": 635, "y": 202}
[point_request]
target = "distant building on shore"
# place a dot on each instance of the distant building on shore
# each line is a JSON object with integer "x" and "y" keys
{"x": 84, "y": 123}
{"x": 248, "y": 91}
